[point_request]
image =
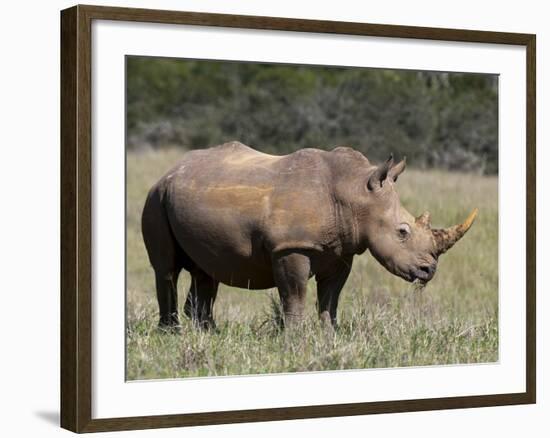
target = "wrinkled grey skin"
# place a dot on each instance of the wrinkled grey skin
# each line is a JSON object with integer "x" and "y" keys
{"x": 234, "y": 215}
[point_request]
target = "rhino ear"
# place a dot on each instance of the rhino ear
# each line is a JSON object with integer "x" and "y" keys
{"x": 398, "y": 169}
{"x": 378, "y": 177}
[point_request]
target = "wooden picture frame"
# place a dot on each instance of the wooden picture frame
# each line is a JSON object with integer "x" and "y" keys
{"x": 76, "y": 218}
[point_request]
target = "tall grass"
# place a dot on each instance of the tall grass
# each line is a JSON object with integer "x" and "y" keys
{"x": 383, "y": 321}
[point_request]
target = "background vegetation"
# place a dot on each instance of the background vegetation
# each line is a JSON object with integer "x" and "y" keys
{"x": 445, "y": 123}
{"x": 444, "y": 120}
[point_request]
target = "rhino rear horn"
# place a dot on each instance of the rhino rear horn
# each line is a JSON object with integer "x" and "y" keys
{"x": 446, "y": 238}
{"x": 377, "y": 179}
{"x": 424, "y": 220}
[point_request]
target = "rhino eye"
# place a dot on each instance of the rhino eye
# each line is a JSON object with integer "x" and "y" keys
{"x": 404, "y": 231}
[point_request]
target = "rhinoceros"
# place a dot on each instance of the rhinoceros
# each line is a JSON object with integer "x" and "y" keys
{"x": 230, "y": 214}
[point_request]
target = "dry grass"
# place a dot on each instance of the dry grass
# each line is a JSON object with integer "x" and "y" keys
{"x": 383, "y": 321}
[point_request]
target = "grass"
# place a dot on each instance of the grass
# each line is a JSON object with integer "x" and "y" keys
{"x": 383, "y": 321}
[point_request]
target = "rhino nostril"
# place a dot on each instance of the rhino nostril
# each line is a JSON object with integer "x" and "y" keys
{"x": 426, "y": 269}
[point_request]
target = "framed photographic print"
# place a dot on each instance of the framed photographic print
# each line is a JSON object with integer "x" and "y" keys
{"x": 270, "y": 218}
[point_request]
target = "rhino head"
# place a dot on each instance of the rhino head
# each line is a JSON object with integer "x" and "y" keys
{"x": 406, "y": 246}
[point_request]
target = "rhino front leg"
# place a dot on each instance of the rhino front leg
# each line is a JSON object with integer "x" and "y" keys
{"x": 291, "y": 271}
{"x": 329, "y": 286}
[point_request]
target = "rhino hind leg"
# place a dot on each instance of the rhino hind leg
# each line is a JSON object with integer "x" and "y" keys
{"x": 167, "y": 296}
{"x": 167, "y": 259}
{"x": 199, "y": 305}
{"x": 329, "y": 286}
{"x": 291, "y": 271}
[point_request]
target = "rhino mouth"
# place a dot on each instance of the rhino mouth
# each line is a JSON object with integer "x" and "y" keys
{"x": 422, "y": 274}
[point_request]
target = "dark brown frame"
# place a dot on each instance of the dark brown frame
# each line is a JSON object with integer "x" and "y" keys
{"x": 76, "y": 238}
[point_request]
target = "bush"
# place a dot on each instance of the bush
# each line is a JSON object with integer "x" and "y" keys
{"x": 446, "y": 120}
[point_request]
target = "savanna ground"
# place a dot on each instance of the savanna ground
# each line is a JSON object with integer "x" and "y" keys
{"x": 383, "y": 321}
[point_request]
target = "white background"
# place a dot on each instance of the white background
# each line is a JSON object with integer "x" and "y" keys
{"x": 29, "y": 224}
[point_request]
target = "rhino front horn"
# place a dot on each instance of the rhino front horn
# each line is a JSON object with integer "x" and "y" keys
{"x": 446, "y": 238}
